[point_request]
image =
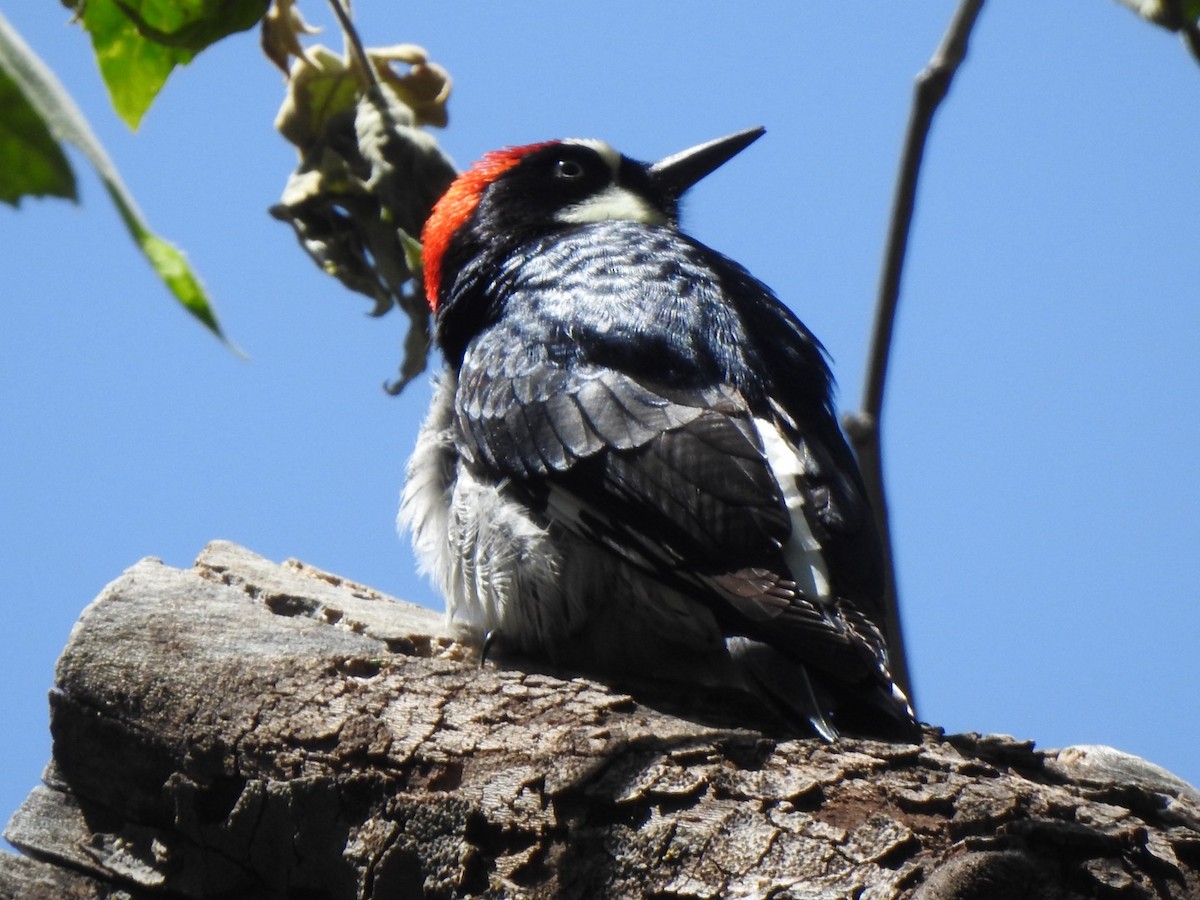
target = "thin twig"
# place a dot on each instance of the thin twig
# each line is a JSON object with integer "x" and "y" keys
{"x": 863, "y": 427}
{"x": 357, "y": 51}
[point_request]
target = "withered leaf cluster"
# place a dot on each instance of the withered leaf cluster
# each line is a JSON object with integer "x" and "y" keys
{"x": 368, "y": 174}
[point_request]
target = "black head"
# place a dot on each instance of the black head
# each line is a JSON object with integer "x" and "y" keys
{"x": 522, "y": 192}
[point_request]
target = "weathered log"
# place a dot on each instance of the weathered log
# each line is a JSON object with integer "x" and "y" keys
{"x": 247, "y": 729}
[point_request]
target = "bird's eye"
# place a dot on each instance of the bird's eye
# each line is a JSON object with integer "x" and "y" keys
{"x": 568, "y": 169}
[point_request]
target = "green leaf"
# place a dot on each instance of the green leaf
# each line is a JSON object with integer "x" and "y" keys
{"x": 167, "y": 260}
{"x": 134, "y": 69}
{"x": 1170, "y": 14}
{"x": 192, "y": 24}
{"x": 32, "y": 163}
{"x": 138, "y": 43}
{"x": 62, "y": 118}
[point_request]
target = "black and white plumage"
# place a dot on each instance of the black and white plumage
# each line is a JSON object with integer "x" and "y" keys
{"x": 632, "y": 465}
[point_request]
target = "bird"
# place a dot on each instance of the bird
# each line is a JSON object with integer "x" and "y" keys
{"x": 632, "y": 465}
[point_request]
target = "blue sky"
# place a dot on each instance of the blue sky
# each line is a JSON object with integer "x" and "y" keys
{"x": 1042, "y": 416}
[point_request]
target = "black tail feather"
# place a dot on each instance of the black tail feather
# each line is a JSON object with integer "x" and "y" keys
{"x": 874, "y": 708}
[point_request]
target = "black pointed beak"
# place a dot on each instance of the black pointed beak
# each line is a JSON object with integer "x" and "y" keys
{"x": 680, "y": 171}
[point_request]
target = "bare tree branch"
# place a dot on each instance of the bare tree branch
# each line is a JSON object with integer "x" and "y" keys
{"x": 863, "y": 427}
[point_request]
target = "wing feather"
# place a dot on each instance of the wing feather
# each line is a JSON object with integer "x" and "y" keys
{"x": 675, "y": 481}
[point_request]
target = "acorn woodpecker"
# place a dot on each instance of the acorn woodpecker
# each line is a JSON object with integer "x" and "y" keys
{"x": 632, "y": 466}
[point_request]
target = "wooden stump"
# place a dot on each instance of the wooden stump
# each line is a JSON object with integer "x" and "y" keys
{"x": 247, "y": 729}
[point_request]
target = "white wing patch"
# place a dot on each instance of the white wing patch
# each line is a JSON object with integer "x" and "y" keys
{"x": 802, "y": 550}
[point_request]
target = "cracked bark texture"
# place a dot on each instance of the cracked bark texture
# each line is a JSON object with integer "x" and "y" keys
{"x": 247, "y": 729}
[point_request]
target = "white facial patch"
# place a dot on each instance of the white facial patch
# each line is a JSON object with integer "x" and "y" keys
{"x": 614, "y": 203}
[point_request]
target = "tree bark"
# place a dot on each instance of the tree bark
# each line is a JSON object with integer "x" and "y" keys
{"x": 247, "y": 729}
